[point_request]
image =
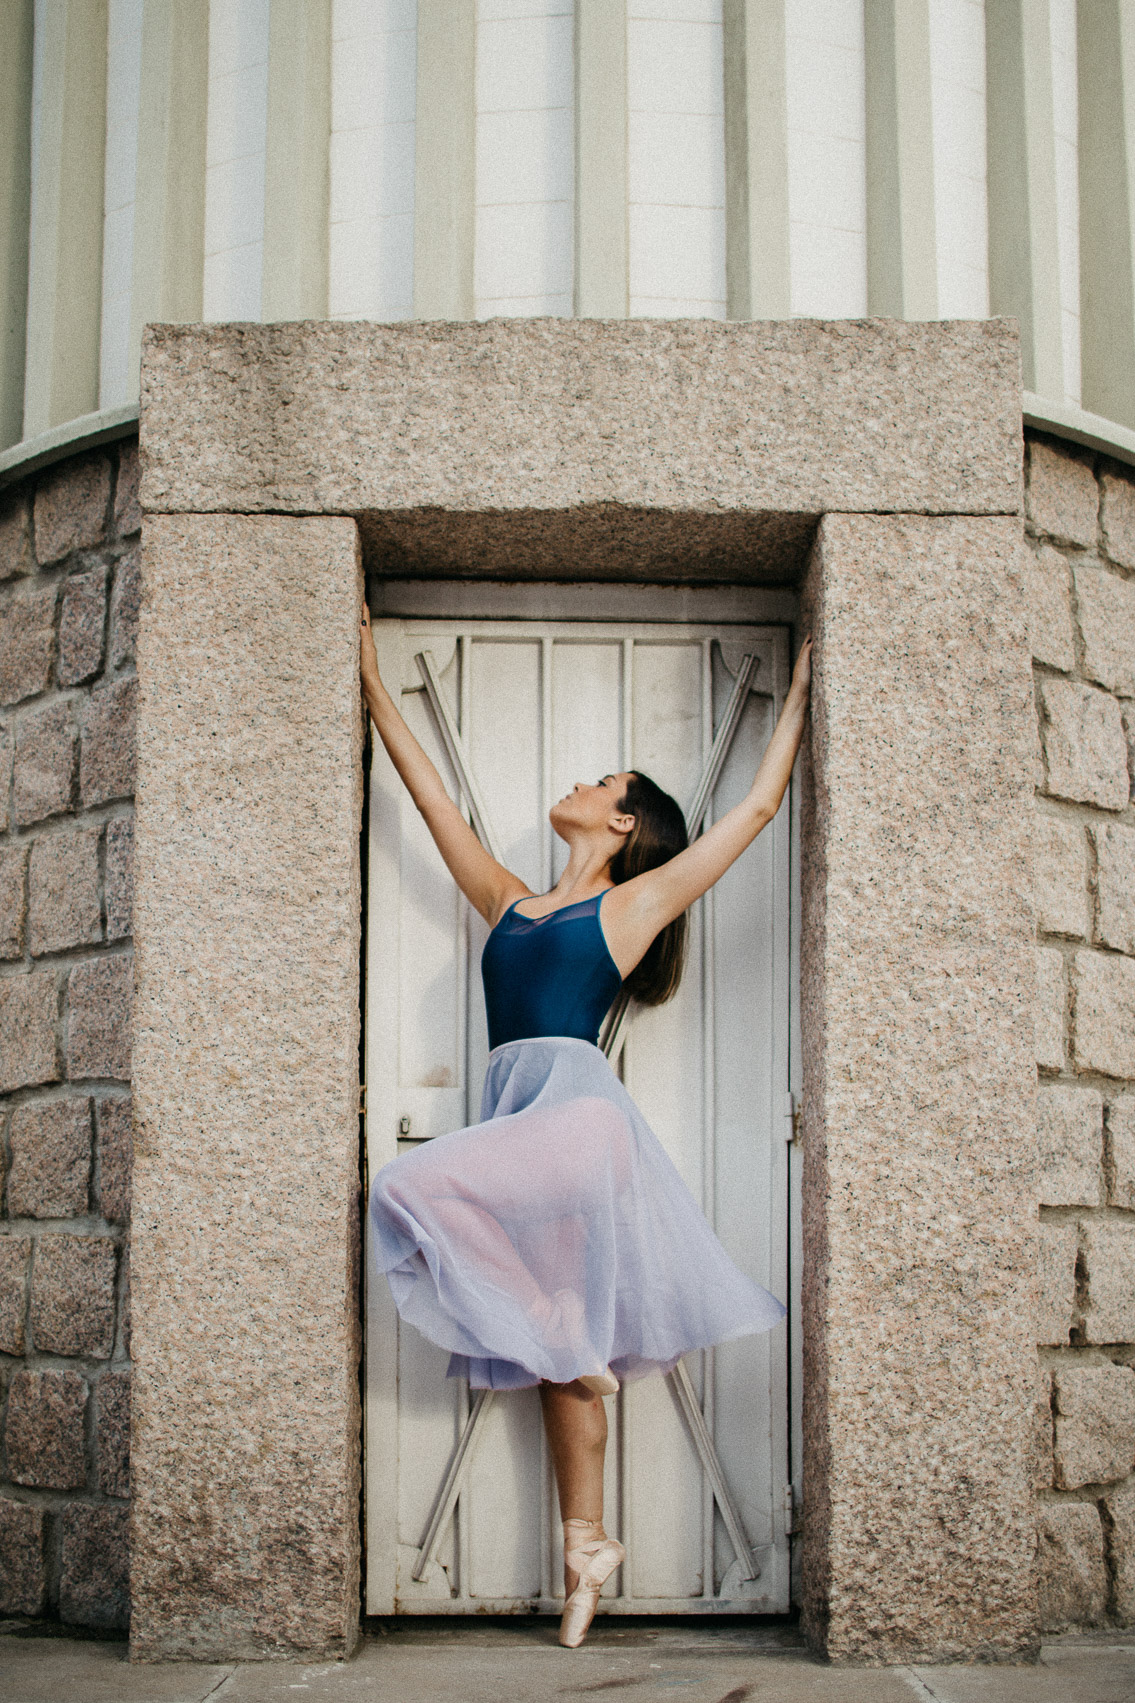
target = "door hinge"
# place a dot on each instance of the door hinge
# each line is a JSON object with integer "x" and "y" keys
{"x": 789, "y": 1511}
{"x": 362, "y": 1099}
{"x": 791, "y": 1118}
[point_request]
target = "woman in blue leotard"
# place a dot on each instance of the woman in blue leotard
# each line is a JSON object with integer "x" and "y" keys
{"x": 554, "y": 1243}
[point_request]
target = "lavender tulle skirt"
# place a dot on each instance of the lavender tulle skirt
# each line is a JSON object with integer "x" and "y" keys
{"x": 556, "y": 1237}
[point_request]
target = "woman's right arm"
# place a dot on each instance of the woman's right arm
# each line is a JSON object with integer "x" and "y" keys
{"x": 489, "y": 887}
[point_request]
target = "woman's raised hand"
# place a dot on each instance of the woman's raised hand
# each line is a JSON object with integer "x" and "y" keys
{"x": 368, "y": 660}
{"x": 802, "y": 673}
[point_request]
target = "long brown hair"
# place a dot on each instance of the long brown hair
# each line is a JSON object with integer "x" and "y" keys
{"x": 659, "y": 833}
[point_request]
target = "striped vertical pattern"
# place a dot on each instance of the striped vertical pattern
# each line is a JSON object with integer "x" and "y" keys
{"x": 382, "y": 159}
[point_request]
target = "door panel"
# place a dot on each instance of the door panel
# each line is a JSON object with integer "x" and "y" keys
{"x": 540, "y": 706}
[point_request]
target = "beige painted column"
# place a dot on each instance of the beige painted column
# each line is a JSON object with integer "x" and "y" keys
{"x": 64, "y": 312}
{"x": 918, "y": 1127}
{"x": 1106, "y": 69}
{"x": 757, "y": 278}
{"x": 445, "y": 175}
{"x": 1024, "y": 253}
{"x": 245, "y": 1450}
{"x": 16, "y": 29}
{"x": 169, "y": 211}
{"x": 602, "y": 243}
{"x": 902, "y": 255}
{"x": 296, "y": 175}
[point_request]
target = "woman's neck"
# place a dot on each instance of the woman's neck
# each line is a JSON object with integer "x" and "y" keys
{"x": 587, "y": 872}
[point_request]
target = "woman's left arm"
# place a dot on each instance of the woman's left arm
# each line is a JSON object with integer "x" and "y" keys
{"x": 645, "y": 904}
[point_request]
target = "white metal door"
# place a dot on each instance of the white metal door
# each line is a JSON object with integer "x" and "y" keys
{"x": 541, "y": 705}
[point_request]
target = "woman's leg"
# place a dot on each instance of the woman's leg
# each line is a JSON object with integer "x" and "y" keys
{"x": 576, "y": 1426}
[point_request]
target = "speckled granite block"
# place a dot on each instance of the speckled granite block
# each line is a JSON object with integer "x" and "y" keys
{"x": 245, "y": 1423}
{"x": 919, "y": 1114}
{"x": 1060, "y": 877}
{"x": 1050, "y": 607}
{"x": 1073, "y": 1572}
{"x": 557, "y": 448}
{"x": 1061, "y": 498}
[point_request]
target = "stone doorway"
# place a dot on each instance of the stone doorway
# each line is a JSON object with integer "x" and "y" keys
{"x": 877, "y": 465}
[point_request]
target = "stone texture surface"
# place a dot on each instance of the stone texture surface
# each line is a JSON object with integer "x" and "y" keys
{"x": 15, "y": 1252}
{"x": 94, "y": 1579}
{"x": 7, "y": 754}
{"x": 1103, "y": 993}
{"x": 1060, "y": 876}
{"x": 1119, "y": 1508}
{"x": 113, "y": 1120}
{"x": 1073, "y": 1576}
{"x": 112, "y": 1403}
{"x": 127, "y": 514}
{"x": 918, "y": 1185}
{"x": 1115, "y": 885}
{"x": 82, "y": 624}
{"x": 29, "y": 1050}
{"x": 64, "y": 908}
{"x": 100, "y": 993}
{"x": 27, "y": 644}
{"x": 107, "y": 767}
{"x": 1048, "y": 1012}
{"x": 1085, "y": 747}
{"x": 47, "y": 746}
{"x": 1106, "y": 609}
{"x": 1070, "y": 1146}
{"x": 72, "y": 1307}
{"x": 1056, "y": 1248}
{"x": 16, "y": 553}
{"x": 23, "y": 1575}
{"x": 124, "y": 606}
{"x": 50, "y": 1143}
{"x": 246, "y": 1167}
{"x": 1061, "y": 498}
{"x": 1048, "y": 590}
{"x": 1120, "y": 1152}
{"x": 66, "y": 631}
{"x": 45, "y": 1430}
{"x": 1042, "y": 1431}
{"x": 70, "y": 507}
{"x": 717, "y": 424}
{"x": 13, "y": 900}
{"x": 1117, "y": 517}
{"x": 1095, "y": 1425}
{"x": 1109, "y": 1255}
{"x": 119, "y": 877}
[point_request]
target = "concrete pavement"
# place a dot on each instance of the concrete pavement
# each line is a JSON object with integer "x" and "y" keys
{"x": 519, "y": 1662}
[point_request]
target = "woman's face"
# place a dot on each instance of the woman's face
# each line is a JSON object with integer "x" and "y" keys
{"x": 589, "y": 805}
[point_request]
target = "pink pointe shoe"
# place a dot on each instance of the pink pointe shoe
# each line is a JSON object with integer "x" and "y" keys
{"x": 566, "y": 1315}
{"x": 600, "y": 1383}
{"x": 590, "y": 1553}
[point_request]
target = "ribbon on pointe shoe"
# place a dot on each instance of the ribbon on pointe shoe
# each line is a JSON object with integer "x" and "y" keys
{"x": 593, "y": 1559}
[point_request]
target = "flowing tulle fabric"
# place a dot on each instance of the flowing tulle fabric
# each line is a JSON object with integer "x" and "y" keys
{"x": 556, "y": 1237}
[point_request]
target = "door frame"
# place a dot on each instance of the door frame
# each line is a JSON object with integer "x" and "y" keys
{"x": 594, "y": 604}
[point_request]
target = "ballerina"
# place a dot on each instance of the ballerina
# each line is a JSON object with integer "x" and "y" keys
{"x": 554, "y": 1243}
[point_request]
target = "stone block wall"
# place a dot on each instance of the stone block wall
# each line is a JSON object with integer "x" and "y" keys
{"x": 1081, "y": 552}
{"x": 69, "y": 543}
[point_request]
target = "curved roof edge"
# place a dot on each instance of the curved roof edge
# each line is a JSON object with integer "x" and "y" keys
{"x": 71, "y": 438}
{"x": 1065, "y": 420}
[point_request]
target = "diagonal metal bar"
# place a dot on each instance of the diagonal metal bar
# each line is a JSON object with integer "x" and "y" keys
{"x": 455, "y": 1474}
{"x": 711, "y": 1465}
{"x": 462, "y": 1458}
{"x": 457, "y": 754}
{"x": 614, "y": 1025}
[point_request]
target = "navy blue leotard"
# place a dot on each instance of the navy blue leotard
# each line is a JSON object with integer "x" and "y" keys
{"x": 550, "y": 975}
